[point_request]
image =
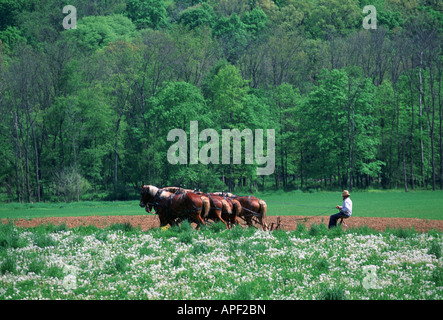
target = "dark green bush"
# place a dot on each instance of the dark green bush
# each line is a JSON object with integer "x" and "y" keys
{"x": 435, "y": 249}
{"x": 9, "y": 264}
{"x": 318, "y": 229}
{"x": 10, "y": 237}
{"x": 332, "y": 294}
{"x": 125, "y": 227}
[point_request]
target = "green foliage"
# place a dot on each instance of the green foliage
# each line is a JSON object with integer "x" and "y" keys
{"x": 301, "y": 229}
{"x": 174, "y": 107}
{"x": 121, "y": 263}
{"x": 11, "y": 37}
{"x": 10, "y": 10}
{"x": 258, "y": 287}
{"x": 177, "y": 104}
{"x": 401, "y": 232}
{"x": 200, "y": 248}
{"x": 332, "y": 294}
{"x": 200, "y": 15}
{"x": 322, "y": 265}
{"x": 101, "y": 236}
{"x": 333, "y": 17}
{"x": 9, "y": 264}
{"x": 147, "y": 13}
{"x": 10, "y": 237}
{"x": 217, "y": 227}
{"x": 43, "y": 239}
{"x": 352, "y": 134}
{"x": 249, "y": 264}
{"x": 125, "y": 227}
{"x": 37, "y": 265}
{"x": 436, "y": 249}
{"x": 389, "y": 19}
{"x": 437, "y": 276}
{"x": 255, "y": 21}
{"x": 68, "y": 182}
{"x": 54, "y": 271}
{"x": 318, "y": 229}
{"x": 95, "y": 32}
{"x": 232, "y": 34}
{"x": 228, "y": 89}
{"x": 350, "y": 107}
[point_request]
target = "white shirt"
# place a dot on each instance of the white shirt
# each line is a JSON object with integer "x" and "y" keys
{"x": 347, "y": 206}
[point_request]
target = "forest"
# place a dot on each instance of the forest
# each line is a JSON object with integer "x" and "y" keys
{"x": 86, "y": 110}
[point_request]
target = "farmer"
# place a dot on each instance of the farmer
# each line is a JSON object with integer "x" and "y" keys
{"x": 345, "y": 209}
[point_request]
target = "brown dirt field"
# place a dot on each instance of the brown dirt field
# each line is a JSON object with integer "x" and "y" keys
{"x": 147, "y": 222}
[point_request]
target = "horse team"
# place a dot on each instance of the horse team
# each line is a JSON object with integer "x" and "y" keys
{"x": 174, "y": 204}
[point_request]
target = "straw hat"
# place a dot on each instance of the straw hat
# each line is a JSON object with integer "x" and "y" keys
{"x": 345, "y": 193}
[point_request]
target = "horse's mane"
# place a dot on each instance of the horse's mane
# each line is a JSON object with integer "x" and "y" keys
{"x": 165, "y": 194}
{"x": 228, "y": 194}
{"x": 152, "y": 190}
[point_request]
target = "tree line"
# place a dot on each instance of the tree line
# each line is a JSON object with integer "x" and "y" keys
{"x": 86, "y": 112}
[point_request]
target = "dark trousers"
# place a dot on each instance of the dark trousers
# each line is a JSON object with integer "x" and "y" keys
{"x": 333, "y": 219}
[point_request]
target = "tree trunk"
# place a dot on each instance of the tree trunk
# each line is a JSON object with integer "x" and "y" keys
{"x": 441, "y": 143}
{"x": 281, "y": 150}
{"x": 28, "y": 182}
{"x": 405, "y": 180}
{"x": 412, "y": 136}
{"x": 420, "y": 100}
{"x": 277, "y": 179}
{"x": 77, "y": 188}
{"x": 37, "y": 167}
{"x": 18, "y": 160}
{"x": 432, "y": 127}
{"x": 116, "y": 155}
{"x": 441, "y": 128}
{"x": 351, "y": 129}
{"x": 301, "y": 169}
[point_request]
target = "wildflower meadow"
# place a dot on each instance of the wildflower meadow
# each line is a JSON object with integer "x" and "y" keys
{"x": 122, "y": 262}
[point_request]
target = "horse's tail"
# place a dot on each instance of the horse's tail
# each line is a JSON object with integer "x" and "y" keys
{"x": 226, "y": 207}
{"x": 237, "y": 209}
{"x": 262, "y": 211}
{"x": 206, "y": 206}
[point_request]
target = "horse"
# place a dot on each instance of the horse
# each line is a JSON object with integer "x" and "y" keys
{"x": 223, "y": 209}
{"x": 250, "y": 207}
{"x": 170, "y": 206}
{"x": 237, "y": 208}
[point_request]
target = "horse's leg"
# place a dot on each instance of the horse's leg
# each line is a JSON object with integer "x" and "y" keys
{"x": 163, "y": 220}
{"x": 262, "y": 211}
{"x": 218, "y": 217}
{"x": 221, "y": 219}
{"x": 174, "y": 222}
{"x": 235, "y": 212}
{"x": 228, "y": 219}
{"x": 256, "y": 215}
{"x": 248, "y": 218}
{"x": 197, "y": 219}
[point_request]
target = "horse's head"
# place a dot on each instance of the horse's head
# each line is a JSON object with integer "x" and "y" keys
{"x": 147, "y": 195}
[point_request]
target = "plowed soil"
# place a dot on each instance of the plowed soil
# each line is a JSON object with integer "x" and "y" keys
{"x": 147, "y": 222}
